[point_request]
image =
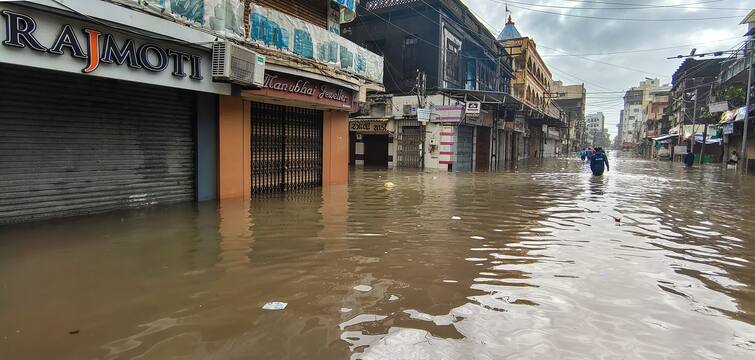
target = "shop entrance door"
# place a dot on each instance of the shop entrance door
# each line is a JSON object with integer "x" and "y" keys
{"x": 464, "y": 148}
{"x": 286, "y": 148}
{"x": 376, "y": 150}
{"x": 410, "y": 147}
{"x": 482, "y": 160}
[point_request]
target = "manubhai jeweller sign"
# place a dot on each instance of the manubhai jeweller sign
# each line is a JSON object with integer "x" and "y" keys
{"x": 299, "y": 89}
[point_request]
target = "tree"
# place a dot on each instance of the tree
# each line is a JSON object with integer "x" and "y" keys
{"x": 735, "y": 95}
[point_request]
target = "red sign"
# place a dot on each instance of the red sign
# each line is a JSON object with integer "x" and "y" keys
{"x": 290, "y": 87}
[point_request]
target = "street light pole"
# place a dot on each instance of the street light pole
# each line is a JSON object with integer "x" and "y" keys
{"x": 747, "y": 109}
{"x": 694, "y": 121}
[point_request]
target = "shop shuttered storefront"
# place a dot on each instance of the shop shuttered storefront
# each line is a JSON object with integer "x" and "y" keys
{"x": 71, "y": 144}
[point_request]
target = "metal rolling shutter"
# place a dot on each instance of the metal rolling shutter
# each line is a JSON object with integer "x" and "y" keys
{"x": 313, "y": 11}
{"x": 71, "y": 144}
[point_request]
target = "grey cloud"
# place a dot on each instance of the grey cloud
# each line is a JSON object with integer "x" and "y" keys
{"x": 577, "y": 36}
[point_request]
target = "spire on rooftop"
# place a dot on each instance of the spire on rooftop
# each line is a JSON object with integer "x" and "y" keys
{"x": 509, "y": 31}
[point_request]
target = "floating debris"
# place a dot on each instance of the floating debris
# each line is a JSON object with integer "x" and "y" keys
{"x": 363, "y": 288}
{"x": 74, "y": 332}
{"x": 389, "y": 184}
{"x": 455, "y": 218}
{"x": 450, "y": 281}
{"x": 274, "y": 305}
{"x": 477, "y": 237}
{"x": 345, "y": 310}
{"x": 393, "y": 298}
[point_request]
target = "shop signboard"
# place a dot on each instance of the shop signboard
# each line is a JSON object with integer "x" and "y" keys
{"x": 45, "y": 40}
{"x": 290, "y": 87}
{"x": 519, "y": 125}
{"x": 720, "y": 106}
{"x": 473, "y": 108}
{"x": 423, "y": 114}
{"x": 368, "y": 127}
{"x": 728, "y": 129}
{"x": 447, "y": 113}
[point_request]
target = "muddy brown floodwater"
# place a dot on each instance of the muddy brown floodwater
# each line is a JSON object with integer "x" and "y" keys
{"x": 650, "y": 262}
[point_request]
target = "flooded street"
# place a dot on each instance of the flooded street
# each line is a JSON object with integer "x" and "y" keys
{"x": 652, "y": 261}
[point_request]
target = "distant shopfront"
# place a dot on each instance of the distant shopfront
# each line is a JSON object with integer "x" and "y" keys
{"x": 371, "y": 143}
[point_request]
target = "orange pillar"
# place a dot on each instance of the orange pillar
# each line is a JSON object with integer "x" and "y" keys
{"x": 234, "y": 163}
{"x": 335, "y": 148}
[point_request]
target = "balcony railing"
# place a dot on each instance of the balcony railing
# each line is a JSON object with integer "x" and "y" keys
{"x": 737, "y": 62}
{"x": 271, "y": 29}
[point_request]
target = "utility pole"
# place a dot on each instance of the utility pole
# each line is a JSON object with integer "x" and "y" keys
{"x": 705, "y": 132}
{"x": 694, "y": 122}
{"x": 743, "y": 155}
{"x": 421, "y": 103}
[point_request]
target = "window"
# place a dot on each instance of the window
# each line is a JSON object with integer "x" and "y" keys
{"x": 410, "y": 56}
{"x": 471, "y": 76}
{"x": 452, "y": 61}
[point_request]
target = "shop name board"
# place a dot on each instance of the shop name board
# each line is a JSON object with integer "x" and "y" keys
{"x": 99, "y": 48}
{"x": 444, "y": 114}
{"x": 368, "y": 126}
{"x": 305, "y": 87}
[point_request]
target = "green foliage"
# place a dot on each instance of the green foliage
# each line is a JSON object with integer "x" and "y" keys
{"x": 735, "y": 95}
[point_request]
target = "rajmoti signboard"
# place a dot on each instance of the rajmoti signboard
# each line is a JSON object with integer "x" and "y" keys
{"x": 299, "y": 89}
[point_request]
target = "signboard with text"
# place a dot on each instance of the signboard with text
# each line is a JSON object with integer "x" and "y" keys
{"x": 369, "y": 127}
{"x": 290, "y": 87}
{"x": 45, "y": 40}
{"x": 447, "y": 113}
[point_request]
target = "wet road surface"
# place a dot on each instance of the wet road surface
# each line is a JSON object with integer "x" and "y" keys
{"x": 651, "y": 261}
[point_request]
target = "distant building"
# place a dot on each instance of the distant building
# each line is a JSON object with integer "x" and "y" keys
{"x": 571, "y": 99}
{"x": 532, "y": 85}
{"x": 632, "y": 118}
{"x": 595, "y": 124}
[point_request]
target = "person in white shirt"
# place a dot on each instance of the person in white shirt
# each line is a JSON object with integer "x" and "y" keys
{"x": 734, "y": 158}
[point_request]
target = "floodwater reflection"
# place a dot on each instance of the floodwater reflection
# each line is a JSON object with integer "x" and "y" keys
{"x": 650, "y": 261}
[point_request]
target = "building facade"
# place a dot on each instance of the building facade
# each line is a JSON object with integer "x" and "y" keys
{"x": 571, "y": 99}
{"x": 532, "y": 85}
{"x": 447, "y": 103}
{"x": 130, "y": 111}
{"x": 733, "y": 83}
{"x": 595, "y": 124}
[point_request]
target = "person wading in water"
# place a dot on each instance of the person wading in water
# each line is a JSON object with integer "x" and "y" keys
{"x": 599, "y": 162}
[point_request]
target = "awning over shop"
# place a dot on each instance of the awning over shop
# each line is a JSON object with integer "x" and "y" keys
{"x": 505, "y": 101}
{"x": 708, "y": 140}
{"x": 665, "y": 138}
{"x": 731, "y": 116}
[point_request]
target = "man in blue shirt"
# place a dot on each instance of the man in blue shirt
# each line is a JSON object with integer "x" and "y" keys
{"x": 598, "y": 161}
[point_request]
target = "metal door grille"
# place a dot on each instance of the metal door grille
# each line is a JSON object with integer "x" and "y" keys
{"x": 409, "y": 147}
{"x": 464, "y": 148}
{"x": 286, "y": 148}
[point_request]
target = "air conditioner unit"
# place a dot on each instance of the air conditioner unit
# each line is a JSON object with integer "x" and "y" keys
{"x": 410, "y": 109}
{"x": 237, "y": 64}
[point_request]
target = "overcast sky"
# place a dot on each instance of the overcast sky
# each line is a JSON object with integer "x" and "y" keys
{"x": 556, "y": 34}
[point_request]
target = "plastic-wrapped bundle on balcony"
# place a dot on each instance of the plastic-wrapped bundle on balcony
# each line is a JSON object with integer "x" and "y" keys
{"x": 224, "y": 17}
{"x": 286, "y": 33}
